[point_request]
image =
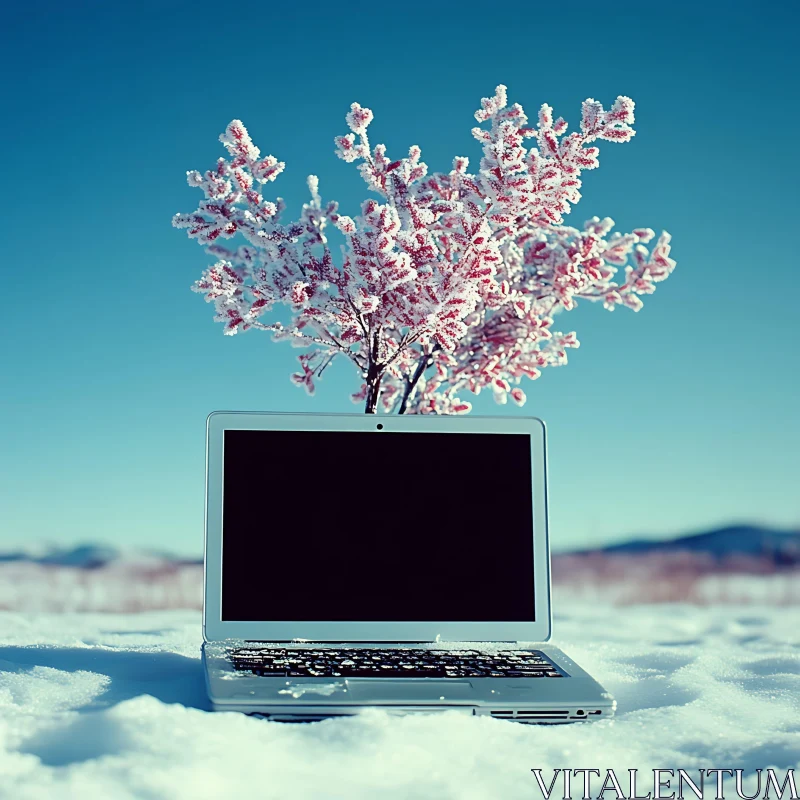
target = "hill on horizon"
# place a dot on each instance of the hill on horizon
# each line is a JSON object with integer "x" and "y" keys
{"x": 780, "y": 547}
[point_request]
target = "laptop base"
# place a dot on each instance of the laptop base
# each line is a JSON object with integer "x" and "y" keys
{"x": 577, "y": 697}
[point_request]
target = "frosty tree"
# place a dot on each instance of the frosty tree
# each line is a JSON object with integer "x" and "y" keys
{"x": 447, "y": 283}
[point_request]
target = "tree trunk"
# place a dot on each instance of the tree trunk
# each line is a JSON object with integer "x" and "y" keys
{"x": 374, "y": 375}
{"x": 423, "y": 364}
{"x": 411, "y": 384}
{"x": 373, "y": 392}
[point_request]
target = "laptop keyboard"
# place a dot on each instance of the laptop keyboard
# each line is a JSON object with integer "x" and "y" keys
{"x": 394, "y": 663}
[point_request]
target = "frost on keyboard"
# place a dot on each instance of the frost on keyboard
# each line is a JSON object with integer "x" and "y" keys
{"x": 393, "y": 663}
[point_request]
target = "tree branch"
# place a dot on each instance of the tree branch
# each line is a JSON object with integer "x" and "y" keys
{"x": 411, "y": 384}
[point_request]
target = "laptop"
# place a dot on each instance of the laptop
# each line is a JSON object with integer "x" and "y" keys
{"x": 360, "y": 561}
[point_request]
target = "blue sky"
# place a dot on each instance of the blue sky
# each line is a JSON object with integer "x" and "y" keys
{"x": 679, "y": 418}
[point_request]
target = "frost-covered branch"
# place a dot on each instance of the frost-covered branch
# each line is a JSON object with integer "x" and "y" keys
{"x": 449, "y": 282}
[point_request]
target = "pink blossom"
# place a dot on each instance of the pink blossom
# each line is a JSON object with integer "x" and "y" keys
{"x": 448, "y": 282}
{"x": 358, "y": 118}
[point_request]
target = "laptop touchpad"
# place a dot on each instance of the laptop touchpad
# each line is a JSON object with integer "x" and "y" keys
{"x": 400, "y": 690}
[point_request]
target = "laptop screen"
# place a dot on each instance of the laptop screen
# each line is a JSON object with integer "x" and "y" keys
{"x": 377, "y": 526}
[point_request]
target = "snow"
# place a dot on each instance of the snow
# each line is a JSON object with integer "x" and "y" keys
{"x": 325, "y": 689}
{"x": 108, "y": 705}
{"x": 122, "y": 585}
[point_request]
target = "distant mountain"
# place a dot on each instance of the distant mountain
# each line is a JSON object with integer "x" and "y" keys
{"x": 779, "y": 547}
{"x": 92, "y": 556}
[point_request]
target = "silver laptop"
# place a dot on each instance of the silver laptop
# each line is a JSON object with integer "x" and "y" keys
{"x": 357, "y": 561}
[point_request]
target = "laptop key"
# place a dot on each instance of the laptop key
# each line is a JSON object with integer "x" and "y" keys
{"x": 393, "y": 662}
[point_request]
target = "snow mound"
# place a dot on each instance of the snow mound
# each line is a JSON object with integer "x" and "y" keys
{"x": 114, "y": 706}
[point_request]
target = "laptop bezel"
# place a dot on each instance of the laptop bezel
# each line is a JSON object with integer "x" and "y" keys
{"x": 216, "y": 629}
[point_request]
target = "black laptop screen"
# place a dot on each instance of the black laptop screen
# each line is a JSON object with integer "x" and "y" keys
{"x": 377, "y": 526}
